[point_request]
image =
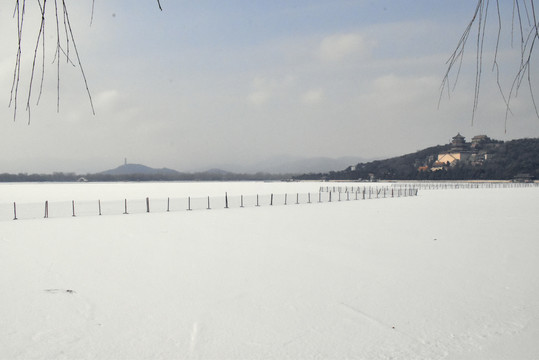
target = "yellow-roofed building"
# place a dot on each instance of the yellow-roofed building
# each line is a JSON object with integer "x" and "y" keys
{"x": 459, "y": 152}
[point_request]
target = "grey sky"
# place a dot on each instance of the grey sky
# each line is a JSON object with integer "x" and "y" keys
{"x": 207, "y": 83}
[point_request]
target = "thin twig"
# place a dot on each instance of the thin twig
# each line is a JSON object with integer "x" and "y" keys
{"x": 78, "y": 59}
{"x": 92, "y": 17}
{"x": 42, "y": 59}
{"x": 57, "y": 56}
{"x": 17, "y": 72}
{"x": 39, "y": 37}
{"x": 69, "y": 38}
{"x": 523, "y": 11}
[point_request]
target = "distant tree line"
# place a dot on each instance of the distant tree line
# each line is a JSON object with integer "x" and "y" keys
{"x": 201, "y": 176}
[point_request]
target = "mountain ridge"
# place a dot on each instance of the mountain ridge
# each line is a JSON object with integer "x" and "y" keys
{"x": 132, "y": 169}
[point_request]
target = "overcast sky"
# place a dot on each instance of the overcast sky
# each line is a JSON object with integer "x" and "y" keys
{"x": 207, "y": 83}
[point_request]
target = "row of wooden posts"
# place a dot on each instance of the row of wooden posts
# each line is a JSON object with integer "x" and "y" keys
{"x": 433, "y": 186}
{"x": 468, "y": 185}
{"x": 367, "y": 193}
{"x": 368, "y": 189}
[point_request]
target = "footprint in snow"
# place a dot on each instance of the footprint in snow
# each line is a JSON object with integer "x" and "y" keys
{"x": 60, "y": 291}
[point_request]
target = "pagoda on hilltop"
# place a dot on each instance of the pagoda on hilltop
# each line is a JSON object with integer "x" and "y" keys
{"x": 458, "y": 152}
{"x": 458, "y": 144}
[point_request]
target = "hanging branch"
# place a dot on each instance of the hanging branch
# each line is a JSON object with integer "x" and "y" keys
{"x": 17, "y": 71}
{"x": 66, "y": 18}
{"x": 65, "y": 39}
{"x": 69, "y": 38}
{"x": 92, "y": 16}
{"x": 40, "y": 38}
{"x": 523, "y": 11}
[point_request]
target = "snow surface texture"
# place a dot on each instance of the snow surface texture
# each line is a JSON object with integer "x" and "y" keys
{"x": 449, "y": 274}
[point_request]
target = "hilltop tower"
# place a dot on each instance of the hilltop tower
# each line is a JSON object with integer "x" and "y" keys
{"x": 458, "y": 144}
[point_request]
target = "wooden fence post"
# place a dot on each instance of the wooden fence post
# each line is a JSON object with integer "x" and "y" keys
{"x": 241, "y": 201}
{"x": 46, "y": 209}
{"x": 73, "y": 207}
{"x": 189, "y": 203}
{"x": 209, "y": 208}
{"x": 125, "y": 206}
{"x": 271, "y": 200}
{"x": 147, "y": 204}
{"x": 99, "y": 206}
{"x": 226, "y": 200}
{"x": 168, "y": 204}
{"x": 257, "y": 203}
{"x": 14, "y": 211}
{"x": 285, "y": 198}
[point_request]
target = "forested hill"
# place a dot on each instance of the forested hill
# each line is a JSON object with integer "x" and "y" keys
{"x": 493, "y": 160}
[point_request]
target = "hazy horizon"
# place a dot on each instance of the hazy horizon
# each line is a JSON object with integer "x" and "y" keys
{"x": 267, "y": 165}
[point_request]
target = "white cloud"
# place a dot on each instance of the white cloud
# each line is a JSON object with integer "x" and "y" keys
{"x": 267, "y": 88}
{"x": 393, "y": 100}
{"x": 405, "y": 90}
{"x": 258, "y": 97}
{"x": 313, "y": 96}
{"x": 106, "y": 98}
{"x": 340, "y": 46}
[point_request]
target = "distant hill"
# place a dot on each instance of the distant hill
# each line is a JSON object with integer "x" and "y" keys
{"x": 135, "y": 169}
{"x": 138, "y": 172}
{"x": 499, "y": 161}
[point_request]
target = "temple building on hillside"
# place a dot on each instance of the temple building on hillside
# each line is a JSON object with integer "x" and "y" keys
{"x": 478, "y": 141}
{"x": 459, "y": 152}
{"x": 474, "y": 153}
{"x": 458, "y": 144}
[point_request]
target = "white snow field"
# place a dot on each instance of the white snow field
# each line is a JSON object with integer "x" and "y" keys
{"x": 447, "y": 274}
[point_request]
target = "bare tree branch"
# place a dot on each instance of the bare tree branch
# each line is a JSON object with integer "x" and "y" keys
{"x": 17, "y": 72}
{"x": 524, "y": 14}
{"x": 67, "y": 39}
{"x": 92, "y": 17}
{"x": 40, "y": 37}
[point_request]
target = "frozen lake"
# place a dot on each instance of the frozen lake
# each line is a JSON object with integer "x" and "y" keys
{"x": 447, "y": 274}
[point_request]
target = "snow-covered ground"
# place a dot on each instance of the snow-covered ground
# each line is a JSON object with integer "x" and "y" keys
{"x": 449, "y": 274}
